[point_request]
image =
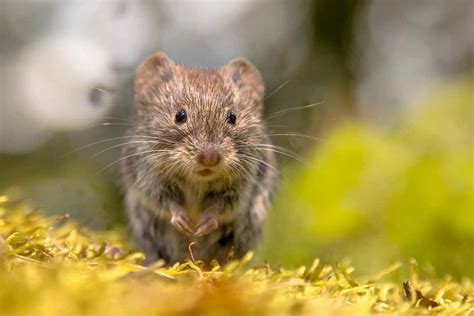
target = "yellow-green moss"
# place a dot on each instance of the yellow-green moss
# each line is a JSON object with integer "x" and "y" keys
{"x": 50, "y": 266}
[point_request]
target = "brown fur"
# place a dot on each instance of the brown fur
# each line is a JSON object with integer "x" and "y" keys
{"x": 160, "y": 161}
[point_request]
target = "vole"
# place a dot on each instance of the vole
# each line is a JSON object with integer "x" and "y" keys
{"x": 198, "y": 164}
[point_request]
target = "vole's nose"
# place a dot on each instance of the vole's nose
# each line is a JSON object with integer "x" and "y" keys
{"x": 209, "y": 157}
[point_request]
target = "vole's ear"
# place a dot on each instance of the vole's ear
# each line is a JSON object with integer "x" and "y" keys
{"x": 246, "y": 79}
{"x": 154, "y": 71}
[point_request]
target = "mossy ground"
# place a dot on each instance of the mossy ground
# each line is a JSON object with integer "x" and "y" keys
{"x": 51, "y": 266}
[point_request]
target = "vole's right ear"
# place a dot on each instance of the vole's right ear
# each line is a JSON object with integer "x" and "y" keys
{"x": 246, "y": 79}
{"x": 154, "y": 71}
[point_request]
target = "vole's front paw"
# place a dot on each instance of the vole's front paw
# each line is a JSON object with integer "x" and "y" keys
{"x": 183, "y": 223}
{"x": 207, "y": 224}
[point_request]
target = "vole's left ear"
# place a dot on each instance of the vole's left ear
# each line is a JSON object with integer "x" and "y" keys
{"x": 246, "y": 80}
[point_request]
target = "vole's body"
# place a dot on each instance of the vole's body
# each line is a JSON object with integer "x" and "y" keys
{"x": 208, "y": 179}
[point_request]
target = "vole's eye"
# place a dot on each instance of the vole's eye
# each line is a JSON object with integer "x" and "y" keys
{"x": 231, "y": 118}
{"x": 181, "y": 116}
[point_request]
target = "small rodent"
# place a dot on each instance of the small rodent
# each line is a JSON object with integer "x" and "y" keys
{"x": 198, "y": 165}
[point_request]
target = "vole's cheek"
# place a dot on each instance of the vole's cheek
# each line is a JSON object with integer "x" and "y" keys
{"x": 186, "y": 151}
{"x": 227, "y": 147}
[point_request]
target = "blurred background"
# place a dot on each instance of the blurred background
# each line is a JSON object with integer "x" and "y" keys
{"x": 375, "y": 97}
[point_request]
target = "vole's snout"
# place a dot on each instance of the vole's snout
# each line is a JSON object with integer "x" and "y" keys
{"x": 209, "y": 157}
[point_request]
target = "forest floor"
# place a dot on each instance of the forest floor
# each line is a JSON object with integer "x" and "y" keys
{"x": 52, "y": 266}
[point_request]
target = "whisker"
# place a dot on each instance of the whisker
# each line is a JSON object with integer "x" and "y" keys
{"x": 104, "y": 141}
{"x": 149, "y": 173}
{"x": 258, "y": 160}
{"x": 104, "y": 89}
{"x": 122, "y": 144}
{"x": 116, "y": 118}
{"x": 296, "y": 157}
{"x": 123, "y": 158}
{"x": 280, "y": 150}
{"x": 109, "y": 124}
{"x": 186, "y": 167}
{"x": 169, "y": 167}
{"x": 240, "y": 170}
{"x": 274, "y": 126}
{"x": 297, "y": 108}
{"x": 297, "y": 135}
{"x": 157, "y": 155}
{"x": 159, "y": 164}
{"x": 277, "y": 89}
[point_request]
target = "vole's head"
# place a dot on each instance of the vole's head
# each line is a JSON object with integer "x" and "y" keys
{"x": 199, "y": 123}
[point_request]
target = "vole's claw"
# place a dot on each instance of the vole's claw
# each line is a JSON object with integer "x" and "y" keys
{"x": 206, "y": 225}
{"x": 183, "y": 223}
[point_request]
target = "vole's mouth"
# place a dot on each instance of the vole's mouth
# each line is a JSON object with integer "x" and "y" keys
{"x": 205, "y": 172}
